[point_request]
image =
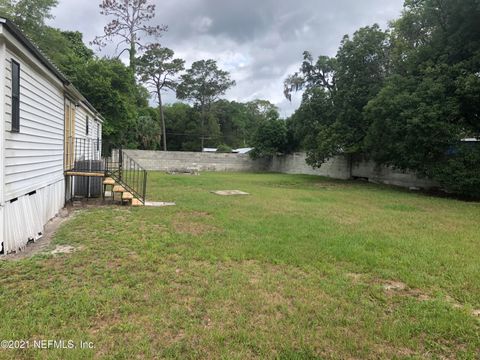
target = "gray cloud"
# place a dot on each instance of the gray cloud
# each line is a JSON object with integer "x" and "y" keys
{"x": 259, "y": 41}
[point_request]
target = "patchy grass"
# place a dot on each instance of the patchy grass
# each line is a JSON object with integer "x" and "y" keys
{"x": 303, "y": 268}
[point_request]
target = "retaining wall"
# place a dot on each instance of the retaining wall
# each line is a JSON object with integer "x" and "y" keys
{"x": 339, "y": 167}
{"x": 385, "y": 175}
{"x": 175, "y": 160}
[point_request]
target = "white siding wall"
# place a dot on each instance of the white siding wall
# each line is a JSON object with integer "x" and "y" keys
{"x": 2, "y": 139}
{"x": 33, "y": 157}
{"x": 80, "y": 123}
{"x": 86, "y": 145}
{"x": 34, "y": 185}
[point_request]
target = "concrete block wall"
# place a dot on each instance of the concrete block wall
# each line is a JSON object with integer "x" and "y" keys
{"x": 173, "y": 160}
{"x": 385, "y": 175}
{"x": 336, "y": 168}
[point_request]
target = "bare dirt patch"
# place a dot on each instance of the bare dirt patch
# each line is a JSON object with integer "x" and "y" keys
{"x": 355, "y": 277}
{"x": 63, "y": 249}
{"x": 192, "y": 223}
{"x": 346, "y": 219}
{"x": 454, "y": 303}
{"x": 394, "y": 286}
{"x": 391, "y": 287}
{"x": 399, "y": 288}
{"x": 330, "y": 186}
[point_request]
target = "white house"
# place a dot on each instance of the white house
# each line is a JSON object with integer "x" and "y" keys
{"x": 43, "y": 120}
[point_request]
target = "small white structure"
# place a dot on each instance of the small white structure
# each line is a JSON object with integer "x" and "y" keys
{"x": 42, "y": 115}
{"x": 234, "y": 151}
{"x": 242, "y": 150}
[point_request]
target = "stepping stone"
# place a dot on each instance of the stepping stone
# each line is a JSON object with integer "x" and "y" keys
{"x": 159, "y": 204}
{"x": 230, "y": 193}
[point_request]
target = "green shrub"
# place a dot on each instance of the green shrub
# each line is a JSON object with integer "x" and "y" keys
{"x": 224, "y": 149}
{"x": 460, "y": 172}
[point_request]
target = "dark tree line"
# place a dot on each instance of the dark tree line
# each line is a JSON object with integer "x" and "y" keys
{"x": 407, "y": 97}
{"x": 229, "y": 124}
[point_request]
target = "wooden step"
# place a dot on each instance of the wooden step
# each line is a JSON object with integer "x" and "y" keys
{"x": 109, "y": 181}
{"x": 136, "y": 202}
{"x": 126, "y": 196}
{"x": 119, "y": 189}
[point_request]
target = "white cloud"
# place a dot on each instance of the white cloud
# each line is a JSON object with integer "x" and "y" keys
{"x": 202, "y": 24}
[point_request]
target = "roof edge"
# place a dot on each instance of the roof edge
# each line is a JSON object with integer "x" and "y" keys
{"x": 25, "y": 41}
{"x": 17, "y": 33}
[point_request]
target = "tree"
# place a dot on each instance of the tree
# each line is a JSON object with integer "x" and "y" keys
{"x": 129, "y": 24}
{"x": 229, "y": 123}
{"x": 260, "y": 110}
{"x": 107, "y": 84}
{"x": 66, "y": 49}
{"x": 430, "y": 103}
{"x": 203, "y": 84}
{"x": 362, "y": 67}
{"x": 148, "y": 131}
{"x": 239, "y": 121}
{"x": 181, "y": 121}
{"x": 158, "y": 69}
{"x": 224, "y": 149}
{"x": 231, "y": 117}
{"x": 28, "y": 15}
{"x": 320, "y": 74}
{"x": 312, "y": 126}
{"x": 270, "y": 139}
{"x": 336, "y": 90}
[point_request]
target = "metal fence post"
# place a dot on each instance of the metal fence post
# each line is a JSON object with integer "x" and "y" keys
{"x": 120, "y": 163}
{"x": 145, "y": 186}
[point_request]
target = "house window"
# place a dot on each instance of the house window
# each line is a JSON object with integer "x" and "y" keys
{"x": 15, "y": 96}
{"x": 87, "y": 126}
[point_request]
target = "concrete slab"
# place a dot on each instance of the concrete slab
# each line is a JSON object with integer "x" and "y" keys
{"x": 159, "y": 204}
{"x": 230, "y": 193}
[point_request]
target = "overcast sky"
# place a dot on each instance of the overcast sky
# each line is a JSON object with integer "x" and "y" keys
{"x": 259, "y": 41}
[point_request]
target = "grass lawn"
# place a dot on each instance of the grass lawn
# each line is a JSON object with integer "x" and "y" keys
{"x": 303, "y": 268}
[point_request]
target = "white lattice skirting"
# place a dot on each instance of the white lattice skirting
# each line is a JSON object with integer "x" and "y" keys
{"x": 25, "y": 218}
